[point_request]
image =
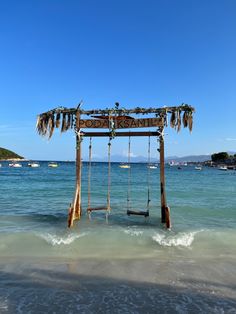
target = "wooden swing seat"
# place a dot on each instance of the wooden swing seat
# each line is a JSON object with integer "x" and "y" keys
{"x": 138, "y": 213}
{"x": 90, "y": 209}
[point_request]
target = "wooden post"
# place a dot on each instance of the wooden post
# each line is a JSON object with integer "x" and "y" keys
{"x": 75, "y": 209}
{"x": 162, "y": 178}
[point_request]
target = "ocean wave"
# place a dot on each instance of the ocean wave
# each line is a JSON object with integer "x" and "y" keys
{"x": 184, "y": 239}
{"x": 133, "y": 232}
{"x": 54, "y": 239}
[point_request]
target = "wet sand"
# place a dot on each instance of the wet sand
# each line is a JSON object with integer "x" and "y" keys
{"x": 116, "y": 286}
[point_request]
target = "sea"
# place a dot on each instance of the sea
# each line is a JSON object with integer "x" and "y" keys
{"x": 117, "y": 263}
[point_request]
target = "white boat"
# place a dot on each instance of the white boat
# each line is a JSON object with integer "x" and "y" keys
{"x": 198, "y": 168}
{"x": 15, "y": 165}
{"x": 0, "y": 165}
{"x": 53, "y": 165}
{"x": 33, "y": 164}
{"x": 223, "y": 168}
{"x": 124, "y": 166}
{"x": 152, "y": 167}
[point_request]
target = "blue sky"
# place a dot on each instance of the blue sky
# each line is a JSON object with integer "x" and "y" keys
{"x": 139, "y": 53}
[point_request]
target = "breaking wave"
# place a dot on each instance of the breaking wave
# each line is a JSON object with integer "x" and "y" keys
{"x": 54, "y": 239}
{"x": 184, "y": 239}
{"x": 133, "y": 232}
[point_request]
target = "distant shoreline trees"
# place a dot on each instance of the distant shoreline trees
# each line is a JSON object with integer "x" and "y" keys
{"x": 223, "y": 157}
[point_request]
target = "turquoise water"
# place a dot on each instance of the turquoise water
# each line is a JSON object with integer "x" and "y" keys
{"x": 196, "y": 258}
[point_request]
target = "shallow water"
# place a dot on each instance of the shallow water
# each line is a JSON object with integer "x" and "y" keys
{"x": 125, "y": 264}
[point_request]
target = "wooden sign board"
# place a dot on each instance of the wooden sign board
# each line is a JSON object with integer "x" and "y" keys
{"x": 120, "y": 124}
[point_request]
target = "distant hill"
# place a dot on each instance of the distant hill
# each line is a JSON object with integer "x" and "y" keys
{"x": 120, "y": 158}
{"x": 191, "y": 158}
{"x": 8, "y": 154}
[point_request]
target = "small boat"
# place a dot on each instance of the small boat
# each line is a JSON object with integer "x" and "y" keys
{"x": 124, "y": 166}
{"x": 53, "y": 165}
{"x": 33, "y": 164}
{"x": 0, "y": 165}
{"x": 198, "y": 168}
{"x": 15, "y": 165}
{"x": 152, "y": 167}
{"x": 223, "y": 168}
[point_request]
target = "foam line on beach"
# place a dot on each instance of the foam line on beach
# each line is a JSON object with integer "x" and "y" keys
{"x": 133, "y": 232}
{"x": 54, "y": 239}
{"x": 184, "y": 239}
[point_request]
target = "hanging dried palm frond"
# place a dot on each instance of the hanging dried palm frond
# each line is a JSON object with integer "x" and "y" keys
{"x": 39, "y": 124}
{"x": 190, "y": 121}
{"x": 51, "y": 125}
{"x": 185, "y": 119}
{"x": 166, "y": 118}
{"x": 173, "y": 119}
{"x": 63, "y": 124}
{"x": 42, "y": 124}
{"x": 68, "y": 121}
{"x": 72, "y": 120}
{"x": 178, "y": 122}
{"x": 58, "y": 116}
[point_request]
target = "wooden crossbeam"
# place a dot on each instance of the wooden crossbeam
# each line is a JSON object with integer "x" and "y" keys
{"x": 119, "y": 134}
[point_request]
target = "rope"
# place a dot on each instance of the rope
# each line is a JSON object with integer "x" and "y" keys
{"x": 89, "y": 172}
{"x": 148, "y": 176}
{"x": 129, "y": 176}
{"x": 109, "y": 177}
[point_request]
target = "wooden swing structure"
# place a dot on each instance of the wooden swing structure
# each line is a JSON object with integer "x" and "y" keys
{"x": 114, "y": 119}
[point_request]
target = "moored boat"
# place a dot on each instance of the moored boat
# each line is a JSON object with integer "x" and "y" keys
{"x": 198, "y": 168}
{"x": 125, "y": 166}
{"x": 53, "y": 165}
{"x": 33, "y": 164}
{"x": 223, "y": 168}
{"x": 15, "y": 165}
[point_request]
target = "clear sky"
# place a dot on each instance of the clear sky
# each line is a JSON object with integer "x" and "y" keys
{"x": 137, "y": 52}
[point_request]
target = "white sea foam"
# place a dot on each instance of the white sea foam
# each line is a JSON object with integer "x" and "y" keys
{"x": 57, "y": 240}
{"x": 133, "y": 232}
{"x": 181, "y": 239}
{"x": 3, "y": 305}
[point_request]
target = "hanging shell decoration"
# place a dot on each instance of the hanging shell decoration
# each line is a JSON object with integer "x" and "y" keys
{"x": 65, "y": 118}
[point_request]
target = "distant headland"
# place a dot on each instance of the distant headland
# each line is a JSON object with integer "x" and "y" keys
{"x": 6, "y": 154}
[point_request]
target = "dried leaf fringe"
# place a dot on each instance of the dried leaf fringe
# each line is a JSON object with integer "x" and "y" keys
{"x": 173, "y": 119}
{"x": 58, "y": 117}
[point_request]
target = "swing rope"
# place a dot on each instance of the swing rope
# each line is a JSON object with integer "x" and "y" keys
{"x": 148, "y": 175}
{"x": 89, "y": 172}
{"x": 109, "y": 177}
{"x": 129, "y": 176}
{"x": 108, "y": 206}
{"x": 129, "y": 210}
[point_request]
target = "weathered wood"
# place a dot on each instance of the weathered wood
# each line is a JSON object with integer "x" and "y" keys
{"x": 119, "y": 134}
{"x": 90, "y": 209}
{"x": 138, "y": 213}
{"x": 75, "y": 210}
{"x": 121, "y": 123}
{"x": 167, "y": 213}
{"x": 122, "y": 111}
{"x": 162, "y": 180}
{"x": 113, "y": 117}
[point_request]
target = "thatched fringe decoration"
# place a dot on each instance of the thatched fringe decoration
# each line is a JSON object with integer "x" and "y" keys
{"x": 185, "y": 119}
{"x": 173, "y": 119}
{"x": 51, "y": 125}
{"x": 72, "y": 120}
{"x": 68, "y": 122}
{"x": 63, "y": 123}
{"x": 42, "y": 123}
{"x": 178, "y": 122}
{"x": 190, "y": 121}
{"x": 58, "y": 116}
